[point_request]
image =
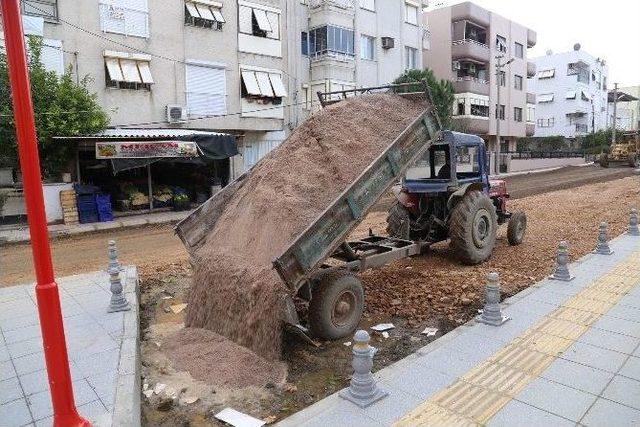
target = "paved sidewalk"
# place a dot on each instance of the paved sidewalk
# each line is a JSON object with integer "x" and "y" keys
{"x": 21, "y": 234}
{"x": 103, "y": 352}
{"x": 569, "y": 356}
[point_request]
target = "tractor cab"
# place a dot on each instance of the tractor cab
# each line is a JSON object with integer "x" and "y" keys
{"x": 454, "y": 160}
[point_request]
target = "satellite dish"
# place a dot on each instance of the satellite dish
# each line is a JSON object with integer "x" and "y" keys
{"x": 576, "y": 46}
{"x": 549, "y": 52}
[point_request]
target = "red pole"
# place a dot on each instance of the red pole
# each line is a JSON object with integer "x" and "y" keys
{"x": 55, "y": 347}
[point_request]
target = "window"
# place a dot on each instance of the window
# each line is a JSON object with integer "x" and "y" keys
{"x": 461, "y": 110}
{"x": 262, "y": 84}
{"x": 571, "y": 94}
{"x": 500, "y": 111}
{"x": 580, "y": 69}
{"x": 330, "y": 40}
{"x": 368, "y": 5}
{"x": 531, "y": 114}
{"x": 501, "y": 44}
{"x": 519, "y": 50}
{"x": 304, "y": 43}
{"x": 503, "y": 79}
{"x": 547, "y": 74}
{"x": 585, "y": 96}
{"x": 517, "y": 82}
{"x": 411, "y": 58}
{"x": 412, "y": 13}
{"x": 206, "y": 90}
{"x": 258, "y": 22}
{"x": 517, "y": 114}
{"x": 582, "y": 128}
{"x": 203, "y": 13}
{"x": 128, "y": 17}
{"x": 127, "y": 71}
{"x": 479, "y": 107}
{"x": 546, "y": 123}
{"x": 367, "y": 47}
{"x": 48, "y": 9}
{"x": 545, "y": 97}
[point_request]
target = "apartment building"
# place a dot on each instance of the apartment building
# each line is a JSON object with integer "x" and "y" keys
{"x": 213, "y": 65}
{"x": 347, "y": 44}
{"x": 571, "y": 89}
{"x": 467, "y": 41}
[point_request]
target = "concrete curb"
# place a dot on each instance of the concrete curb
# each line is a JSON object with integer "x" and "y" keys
{"x": 126, "y": 406}
{"x": 534, "y": 171}
{"x": 21, "y": 235}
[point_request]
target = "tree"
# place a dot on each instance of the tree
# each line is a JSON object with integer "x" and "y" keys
{"x": 441, "y": 92}
{"x": 62, "y": 108}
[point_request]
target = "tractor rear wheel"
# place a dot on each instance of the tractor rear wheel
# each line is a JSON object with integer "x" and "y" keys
{"x": 516, "y": 228}
{"x": 604, "y": 160}
{"x": 634, "y": 160}
{"x": 473, "y": 228}
{"x": 336, "y": 306}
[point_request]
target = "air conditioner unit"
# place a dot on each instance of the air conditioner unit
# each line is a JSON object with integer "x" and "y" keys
{"x": 455, "y": 65}
{"x": 388, "y": 42}
{"x": 176, "y": 114}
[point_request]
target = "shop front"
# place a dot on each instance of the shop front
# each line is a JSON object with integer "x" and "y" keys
{"x": 131, "y": 171}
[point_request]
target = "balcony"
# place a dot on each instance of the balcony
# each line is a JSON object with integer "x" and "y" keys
{"x": 532, "y": 38}
{"x": 531, "y": 69}
{"x": 471, "y": 49}
{"x": 340, "y": 4}
{"x": 471, "y": 84}
{"x": 478, "y": 126}
{"x": 531, "y": 98}
{"x": 530, "y": 129}
{"x": 471, "y": 12}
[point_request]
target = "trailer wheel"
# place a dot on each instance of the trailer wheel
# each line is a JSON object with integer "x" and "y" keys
{"x": 473, "y": 228}
{"x": 604, "y": 160}
{"x": 516, "y": 228}
{"x": 336, "y": 306}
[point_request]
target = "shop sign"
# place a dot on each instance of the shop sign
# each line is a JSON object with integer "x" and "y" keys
{"x": 143, "y": 150}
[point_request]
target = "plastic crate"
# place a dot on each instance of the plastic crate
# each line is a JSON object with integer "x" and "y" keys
{"x": 103, "y": 205}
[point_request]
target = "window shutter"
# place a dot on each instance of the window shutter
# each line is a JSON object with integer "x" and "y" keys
{"x": 206, "y": 90}
{"x": 51, "y": 56}
{"x": 262, "y": 20}
{"x": 274, "y": 21}
{"x": 137, "y": 23}
{"x": 245, "y": 18}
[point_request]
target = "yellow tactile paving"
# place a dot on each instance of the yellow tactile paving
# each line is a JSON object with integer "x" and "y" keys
{"x": 479, "y": 394}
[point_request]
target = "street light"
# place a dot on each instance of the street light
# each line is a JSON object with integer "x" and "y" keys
{"x": 499, "y": 67}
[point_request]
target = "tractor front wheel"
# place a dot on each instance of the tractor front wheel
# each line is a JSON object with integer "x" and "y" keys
{"x": 473, "y": 228}
{"x": 336, "y": 306}
{"x": 516, "y": 228}
{"x": 634, "y": 161}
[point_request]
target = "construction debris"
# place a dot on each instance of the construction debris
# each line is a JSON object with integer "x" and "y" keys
{"x": 430, "y": 332}
{"x": 238, "y": 419}
{"x": 177, "y": 308}
{"x": 383, "y": 327}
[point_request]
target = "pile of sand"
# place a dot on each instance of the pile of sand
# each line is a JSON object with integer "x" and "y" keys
{"x": 211, "y": 358}
{"x": 236, "y": 293}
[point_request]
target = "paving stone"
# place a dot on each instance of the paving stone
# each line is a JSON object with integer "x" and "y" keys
{"x": 18, "y": 322}
{"x": 631, "y": 368}
{"x": 477, "y": 345}
{"x": 392, "y": 407}
{"x": 4, "y": 353}
{"x": 607, "y": 413}
{"x": 10, "y": 390}
{"x": 624, "y": 390}
{"x": 95, "y": 411}
{"x": 624, "y": 312}
{"x": 545, "y": 395}
{"x": 104, "y": 385}
{"x": 98, "y": 363}
{"x": 6, "y": 370}
{"x": 421, "y": 386}
{"x": 34, "y": 382}
{"x": 22, "y": 348}
{"x": 610, "y": 340}
{"x": 631, "y": 301}
{"x": 518, "y": 414}
{"x": 595, "y": 357}
{"x": 621, "y": 326}
{"x": 22, "y": 334}
{"x": 15, "y": 413}
{"x": 445, "y": 361}
{"x": 29, "y": 363}
{"x": 578, "y": 376}
{"x": 12, "y": 309}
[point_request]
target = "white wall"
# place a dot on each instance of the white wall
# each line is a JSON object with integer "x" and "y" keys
{"x": 52, "y": 200}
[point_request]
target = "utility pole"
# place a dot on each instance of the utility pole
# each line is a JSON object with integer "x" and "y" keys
{"x": 615, "y": 112}
{"x": 49, "y": 310}
{"x": 499, "y": 68}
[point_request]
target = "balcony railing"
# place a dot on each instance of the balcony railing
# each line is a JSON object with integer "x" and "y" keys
{"x": 471, "y": 79}
{"x": 470, "y": 41}
{"x": 330, "y": 54}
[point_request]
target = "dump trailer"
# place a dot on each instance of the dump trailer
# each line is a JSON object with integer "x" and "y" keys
{"x": 319, "y": 266}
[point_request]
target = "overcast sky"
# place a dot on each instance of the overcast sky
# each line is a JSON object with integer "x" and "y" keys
{"x": 607, "y": 30}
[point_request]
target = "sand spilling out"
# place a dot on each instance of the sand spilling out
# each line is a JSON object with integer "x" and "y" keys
{"x": 211, "y": 358}
{"x": 236, "y": 293}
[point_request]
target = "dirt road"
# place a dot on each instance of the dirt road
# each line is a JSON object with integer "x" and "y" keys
{"x": 151, "y": 247}
{"x": 146, "y": 247}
